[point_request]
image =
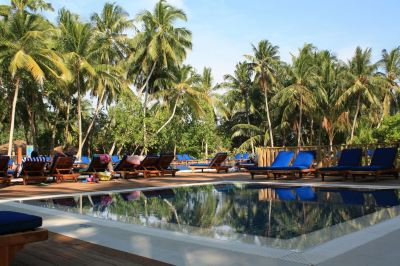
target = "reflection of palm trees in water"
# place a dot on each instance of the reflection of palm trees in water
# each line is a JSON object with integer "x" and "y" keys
{"x": 244, "y": 211}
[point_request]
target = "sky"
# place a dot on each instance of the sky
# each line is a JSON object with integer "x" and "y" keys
{"x": 223, "y": 30}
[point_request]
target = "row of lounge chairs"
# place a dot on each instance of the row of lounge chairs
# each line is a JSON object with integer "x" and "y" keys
{"x": 62, "y": 168}
{"x": 349, "y": 165}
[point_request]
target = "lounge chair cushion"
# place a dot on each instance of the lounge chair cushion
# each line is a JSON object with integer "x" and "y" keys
{"x": 14, "y": 222}
{"x": 290, "y": 168}
{"x": 283, "y": 159}
{"x": 350, "y": 157}
{"x": 304, "y": 159}
{"x": 371, "y": 168}
{"x": 200, "y": 164}
{"x": 384, "y": 157}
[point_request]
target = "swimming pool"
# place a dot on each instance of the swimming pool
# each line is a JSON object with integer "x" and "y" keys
{"x": 289, "y": 217}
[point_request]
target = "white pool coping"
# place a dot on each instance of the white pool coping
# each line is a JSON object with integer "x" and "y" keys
{"x": 183, "y": 249}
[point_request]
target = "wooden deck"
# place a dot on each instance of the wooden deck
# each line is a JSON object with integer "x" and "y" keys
{"x": 62, "y": 250}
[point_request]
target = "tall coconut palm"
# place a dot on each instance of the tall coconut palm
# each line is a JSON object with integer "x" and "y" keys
{"x": 362, "y": 84}
{"x": 159, "y": 42}
{"x": 390, "y": 63}
{"x": 24, "y": 48}
{"x": 76, "y": 42}
{"x": 298, "y": 96}
{"x": 241, "y": 82}
{"x": 331, "y": 72}
{"x": 264, "y": 62}
{"x": 111, "y": 40}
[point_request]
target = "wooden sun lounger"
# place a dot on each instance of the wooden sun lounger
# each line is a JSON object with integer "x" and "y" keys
{"x": 148, "y": 167}
{"x": 62, "y": 169}
{"x": 10, "y": 244}
{"x": 294, "y": 172}
{"x": 95, "y": 166}
{"x": 216, "y": 163}
{"x": 33, "y": 171}
{"x": 164, "y": 165}
{"x": 375, "y": 173}
{"x": 125, "y": 169}
{"x": 5, "y": 177}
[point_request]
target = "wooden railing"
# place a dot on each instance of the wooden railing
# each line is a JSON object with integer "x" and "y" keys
{"x": 326, "y": 155}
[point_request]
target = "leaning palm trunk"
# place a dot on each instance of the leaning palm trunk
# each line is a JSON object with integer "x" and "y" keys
{"x": 248, "y": 122}
{"x": 14, "y": 105}
{"x": 66, "y": 130}
{"x": 300, "y": 121}
{"x": 355, "y": 118}
{"x": 268, "y": 117}
{"x": 96, "y": 113}
{"x": 170, "y": 118}
{"x": 80, "y": 146}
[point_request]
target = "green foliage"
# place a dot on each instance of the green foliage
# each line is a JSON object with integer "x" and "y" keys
{"x": 389, "y": 131}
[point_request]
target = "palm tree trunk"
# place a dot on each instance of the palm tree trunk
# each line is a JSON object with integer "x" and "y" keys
{"x": 248, "y": 120}
{"x": 53, "y": 133}
{"x": 146, "y": 94}
{"x": 268, "y": 117}
{"x": 96, "y": 113}
{"x": 66, "y": 129}
{"x": 170, "y": 118}
{"x": 355, "y": 118}
{"x": 300, "y": 121}
{"x": 80, "y": 146}
{"x": 14, "y": 105}
{"x": 112, "y": 148}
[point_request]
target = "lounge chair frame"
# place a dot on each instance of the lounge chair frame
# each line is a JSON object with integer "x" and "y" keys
{"x": 33, "y": 171}
{"x": 62, "y": 169}
{"x": 5, "y": 177}
{"x": 216, "y": 163}
{"x": 148, "y": 167}
{"x": 125, "y": 169}
{"x": 164, "y": 165}
{"x": 375, "y": 173}
{"x": 10, "y": 244}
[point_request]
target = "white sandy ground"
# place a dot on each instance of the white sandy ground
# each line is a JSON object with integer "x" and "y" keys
{"x": 374, "y": 245}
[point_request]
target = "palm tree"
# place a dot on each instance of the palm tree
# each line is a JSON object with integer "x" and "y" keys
{"x": 264, "y": 62}
{"x": 362, "y": 84}
{"x": 390, "y": 63}
{"x": 333, "y": 118}
{"x": 299, "y": 95}
{"x": 76, "y": 42}
{"x": 25, "y": 49}
{"x": 183, "y": 87}
{"x": 110, "y": 37}
{"x": 241, "y": 82}
{"x": 160, "y": 43}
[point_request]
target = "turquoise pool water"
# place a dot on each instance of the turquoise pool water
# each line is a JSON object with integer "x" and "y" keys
{"x": 277, "y": 216}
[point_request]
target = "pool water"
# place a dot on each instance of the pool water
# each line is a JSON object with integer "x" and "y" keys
{"x": 277, "y": 216}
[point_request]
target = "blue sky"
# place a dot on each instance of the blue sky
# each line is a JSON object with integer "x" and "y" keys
{"x": 223, "y": 30}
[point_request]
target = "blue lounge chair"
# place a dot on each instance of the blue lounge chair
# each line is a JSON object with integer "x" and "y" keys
{"x": 301, "y": 165}
{"x": 216, "y": 163}
{"x": 238, "y": 157}
{"x": 16, "y": 230}
{"x": 382, "y": 163}
{"x": 285, "y": 194}
{"x": 188, "y": 158}
{"x": 348, "y": 158}
{"x": 306, "y": 194}
{"x": 179, "y": 158}
{"x": 245, "y": 156}
{"x": 283, "y": 159}
{"x": 115, "y": 159}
